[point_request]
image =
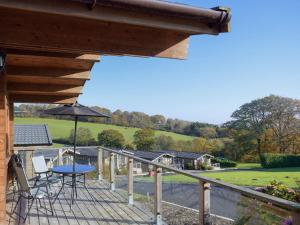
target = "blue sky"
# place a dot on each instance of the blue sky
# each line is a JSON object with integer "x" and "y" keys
{"x": 260, "y": 56}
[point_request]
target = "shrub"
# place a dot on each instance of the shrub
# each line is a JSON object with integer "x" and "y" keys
{"x": 203, "y": 166}
{"x": 224, "y": 163}
{"x": 189, "y": 166}
{"x": 280, "y": 190}
{"x": 271, "y": 160}
{"x": 111, "y": 139}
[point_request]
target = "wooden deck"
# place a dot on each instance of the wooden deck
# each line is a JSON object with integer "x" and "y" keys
{"x": 107, "y": 208}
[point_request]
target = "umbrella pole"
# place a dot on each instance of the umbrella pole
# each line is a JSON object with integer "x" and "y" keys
{"x": 74, "y": 151}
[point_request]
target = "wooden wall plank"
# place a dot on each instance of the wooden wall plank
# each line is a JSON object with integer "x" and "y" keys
{"x": 4, "y": 143}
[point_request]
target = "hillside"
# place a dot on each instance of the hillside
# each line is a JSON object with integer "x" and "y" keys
{"x": 62, "y": 128}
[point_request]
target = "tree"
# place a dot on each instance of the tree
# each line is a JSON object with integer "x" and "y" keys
{"x": 183, "y": 146}
{"x": 111, "y": 139}
{"x": 164, "y": 142}
{"x": 208, "y": 132}
{"x": 144, "y": 139}
{"x": 84, "y": 137}
{"x": 283, "y": 120}
{"x": 254, "y": 118}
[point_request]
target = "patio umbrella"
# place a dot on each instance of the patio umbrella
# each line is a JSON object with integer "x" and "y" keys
{"x": 76, "y": 110}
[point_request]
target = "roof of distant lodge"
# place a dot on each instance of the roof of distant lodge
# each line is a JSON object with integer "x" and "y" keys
{"x": 32, "y": 135}
{"x": 185, "y": 155}
{"x": 147, "y": 154}
{"x": 47, "y": 153}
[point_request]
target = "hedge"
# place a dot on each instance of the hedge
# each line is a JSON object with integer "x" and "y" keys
{"x": 224, "y": 163}
{"x": 270, "y": 160}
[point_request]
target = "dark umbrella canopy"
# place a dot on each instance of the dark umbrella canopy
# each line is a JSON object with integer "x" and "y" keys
{"x": 74, "y": 110}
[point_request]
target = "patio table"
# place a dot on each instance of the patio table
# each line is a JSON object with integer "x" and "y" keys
{"x": 72, "y": 171}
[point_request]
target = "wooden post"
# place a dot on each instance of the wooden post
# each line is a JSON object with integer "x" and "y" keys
{"x": 4, "y": 143}
{"x": 112, "y": 171}
{"x": 100, "y": 164}
{"x": 60, "y": 157}
{"x": 158, "y": 197}
{"x": 296, "y": 218}
{"x": 130, "y": 181}
{"x": 204, "y": 203}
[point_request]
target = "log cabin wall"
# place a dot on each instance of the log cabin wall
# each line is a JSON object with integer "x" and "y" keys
{"x": 4, "y": 143}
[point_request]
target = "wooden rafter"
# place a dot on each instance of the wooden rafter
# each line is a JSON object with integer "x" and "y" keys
{"x": 47, "y": 79}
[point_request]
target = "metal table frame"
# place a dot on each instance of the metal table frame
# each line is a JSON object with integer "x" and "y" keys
{"x": 68, "y": 171}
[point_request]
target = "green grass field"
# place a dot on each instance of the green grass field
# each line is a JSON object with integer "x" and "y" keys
{"x": 62, "y": 128}
{"x": 248, "y": 166}
{"x": 288, "y": 176}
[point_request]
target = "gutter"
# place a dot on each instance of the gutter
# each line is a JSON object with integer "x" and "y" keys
{"x": 214, "y": 16}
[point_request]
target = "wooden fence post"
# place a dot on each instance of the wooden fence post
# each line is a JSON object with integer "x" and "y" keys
{"x": 60, "y": 157}
{"x": 296, "y": 218}
{"x": 130, "y": 181}
{"x": 204, "y": 203}
{"x": 100, "y": 163}
{"x": 112, "y": 171}
{"x": 158, "y": 197}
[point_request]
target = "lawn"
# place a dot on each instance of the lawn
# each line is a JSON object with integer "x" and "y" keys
{"x": 244, "y": 178}
{"x": 248, "y": 166}
{"x": 62, "y": 128}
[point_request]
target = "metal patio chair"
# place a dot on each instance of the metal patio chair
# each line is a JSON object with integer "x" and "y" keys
{"x": 42, "y": 171}
{"x": 26, "y": 191}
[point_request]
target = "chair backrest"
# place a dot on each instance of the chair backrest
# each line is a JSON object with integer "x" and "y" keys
{"x": 39, "y": 165}
{"x": 20, "y": 173}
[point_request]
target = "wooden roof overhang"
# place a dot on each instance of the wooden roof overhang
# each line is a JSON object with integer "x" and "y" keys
{"x": 52, "y": 45}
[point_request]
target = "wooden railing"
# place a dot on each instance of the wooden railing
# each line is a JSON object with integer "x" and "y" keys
{"x": 204, "y": 187}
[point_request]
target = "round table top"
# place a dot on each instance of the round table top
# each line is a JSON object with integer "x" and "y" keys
{"x": 68, "y": 169}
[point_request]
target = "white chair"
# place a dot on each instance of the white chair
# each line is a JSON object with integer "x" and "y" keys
{"x": 41, "y": 169}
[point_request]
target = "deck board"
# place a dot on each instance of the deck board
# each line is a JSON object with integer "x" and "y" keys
{"x": 96, "y": 206}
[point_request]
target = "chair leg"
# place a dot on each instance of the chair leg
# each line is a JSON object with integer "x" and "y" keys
{"x": 16, "y": 204}
{"x": 20, "y": 208}
{"x": 51, "y": 207}
{"x": 29, "y": 208}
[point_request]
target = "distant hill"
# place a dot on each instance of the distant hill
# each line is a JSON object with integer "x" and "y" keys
{"x": 62, "y": 128}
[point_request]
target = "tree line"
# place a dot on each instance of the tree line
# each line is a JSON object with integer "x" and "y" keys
{"x": 131, "y": 119}
{"x": 266, "y": 125}
{"x": 143, "y": 139}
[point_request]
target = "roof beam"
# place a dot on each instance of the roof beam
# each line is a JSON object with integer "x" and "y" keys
{"x": 52, "y": 33}
{"x": 20, "y": 88}
{"x": 48, "y": 72}
{"x": 155, "y": 14}
{"x": 50, "y": 99}
{"x": 48, "y": 62}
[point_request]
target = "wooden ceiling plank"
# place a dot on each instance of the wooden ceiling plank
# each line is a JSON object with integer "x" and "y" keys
{"x": 56, "y": 33}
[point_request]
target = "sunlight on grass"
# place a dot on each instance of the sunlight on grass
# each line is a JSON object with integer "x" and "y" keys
{"x": 62, "y": 128}
{"x": 288, "y": 176}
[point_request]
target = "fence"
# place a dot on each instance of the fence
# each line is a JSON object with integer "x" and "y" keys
{"x": 204, "y": 187}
